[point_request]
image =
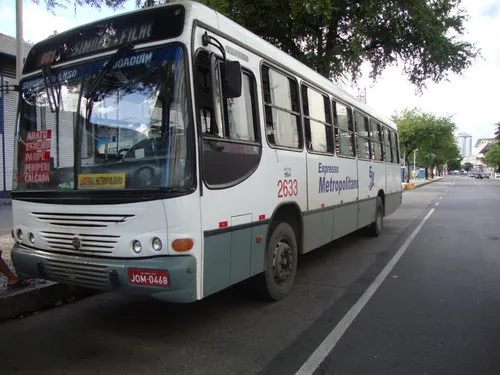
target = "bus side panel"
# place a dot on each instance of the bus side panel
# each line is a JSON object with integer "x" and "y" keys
{"x": 394, "y": 194}
{"x": 371, "y": 181}
{"x": 332, "y": 193}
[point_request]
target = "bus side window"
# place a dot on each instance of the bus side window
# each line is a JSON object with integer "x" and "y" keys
{"x": 388, "y": 157}
{"x": 377, "y": 141}
{"x": 394, "y": 145}
{"x": 344, "y": 130}
{"x": 281, "y": 105}
{"x": 317, "y": 121}
{"x": 363, "y": 136}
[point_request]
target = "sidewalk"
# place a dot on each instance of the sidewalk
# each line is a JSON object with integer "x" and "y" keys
{"x": 38, "y": 295}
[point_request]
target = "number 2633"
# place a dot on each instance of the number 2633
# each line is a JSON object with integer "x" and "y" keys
{"x": 287, "y": 188}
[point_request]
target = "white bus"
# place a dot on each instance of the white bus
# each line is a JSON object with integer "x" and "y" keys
{"x": 236, "y": 158}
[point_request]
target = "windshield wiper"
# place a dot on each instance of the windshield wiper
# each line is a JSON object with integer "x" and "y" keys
{"x": 105, "y": 69}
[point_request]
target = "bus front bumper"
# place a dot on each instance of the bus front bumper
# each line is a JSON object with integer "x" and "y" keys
{"x": 110, "y": 274}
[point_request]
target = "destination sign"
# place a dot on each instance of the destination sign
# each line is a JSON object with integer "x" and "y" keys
{"x": 148, "y": 25}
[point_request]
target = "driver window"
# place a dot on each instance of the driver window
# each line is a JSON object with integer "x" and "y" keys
{"x": 210, "y": 109}
{"x": 232, "y": 118}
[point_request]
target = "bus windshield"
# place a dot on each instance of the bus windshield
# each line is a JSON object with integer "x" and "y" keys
{"x": 129, "y": 132}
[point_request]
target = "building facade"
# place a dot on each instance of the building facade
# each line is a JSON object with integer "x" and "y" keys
{"x": 465, "y": 145}
{"x": 8, "y": 108}
{"x": 482, "y": 146}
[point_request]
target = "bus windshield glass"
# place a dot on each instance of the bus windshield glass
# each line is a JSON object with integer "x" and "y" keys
{"x": 130, "y": 131}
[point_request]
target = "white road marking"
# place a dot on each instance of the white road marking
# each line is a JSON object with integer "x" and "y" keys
{"x": 318, "y": 356}
{"x": 437, "y": 204}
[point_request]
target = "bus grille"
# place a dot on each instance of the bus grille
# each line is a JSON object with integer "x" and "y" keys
{"x": 82, "y": 220}
{"x": 86, "y": 275}
{"x": 88, "y": 243}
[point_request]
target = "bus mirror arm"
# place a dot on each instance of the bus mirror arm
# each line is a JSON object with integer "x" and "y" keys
{"x": 231, "y": 70}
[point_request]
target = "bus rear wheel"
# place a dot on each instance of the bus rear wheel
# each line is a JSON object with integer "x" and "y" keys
{"x": 280, "y": 263}
{"x": 377, "y": 226}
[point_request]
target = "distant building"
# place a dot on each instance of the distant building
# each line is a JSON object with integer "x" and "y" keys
{"x": 482, "y": 145}
{"x": 8, "y": 107}
{"x": 465, "y": 142}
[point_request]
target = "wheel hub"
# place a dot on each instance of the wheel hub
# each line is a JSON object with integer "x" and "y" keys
{"x": 282, "y": 261}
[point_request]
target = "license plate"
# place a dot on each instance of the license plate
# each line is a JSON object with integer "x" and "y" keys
{"x": 148, "y": 277}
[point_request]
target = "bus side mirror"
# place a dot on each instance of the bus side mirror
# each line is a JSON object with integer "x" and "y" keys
{"x": 232, "y": 79}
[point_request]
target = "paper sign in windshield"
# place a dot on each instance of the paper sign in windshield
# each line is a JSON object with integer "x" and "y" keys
{"x": 101, "y": 180}
{"x": 37, "y": 157}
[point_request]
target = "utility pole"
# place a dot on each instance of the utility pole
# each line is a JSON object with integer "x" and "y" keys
{"x": 20, "y": 39}
{"x": 362, "y": 95}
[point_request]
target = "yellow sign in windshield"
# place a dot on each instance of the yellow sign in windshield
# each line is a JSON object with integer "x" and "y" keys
{"x": 101, "y": 180}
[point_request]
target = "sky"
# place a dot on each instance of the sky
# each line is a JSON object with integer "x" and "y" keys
{"x": 470, "y": 98}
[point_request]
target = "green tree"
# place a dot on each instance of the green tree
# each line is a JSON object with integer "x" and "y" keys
{"x": 454, "y": 164}
{"x": 52, "y": 5}
{"x": 335, "y": 37}
{"x": 492, "y": 157}
{"x": 411, "y": 129}
{"x": 467, "y": 166}
{"x": 440, "y": 145}
{"x": 432, "y": 136}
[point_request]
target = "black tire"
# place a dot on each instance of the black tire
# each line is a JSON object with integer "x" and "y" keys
{"x": 282, "y": 246}
{"x": 377, "y": 226}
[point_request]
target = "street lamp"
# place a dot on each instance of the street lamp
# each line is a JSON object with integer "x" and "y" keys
{"x": 415, "y": 164}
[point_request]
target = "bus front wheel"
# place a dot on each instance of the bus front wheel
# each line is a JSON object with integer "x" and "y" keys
{"x": 280, "y": 263}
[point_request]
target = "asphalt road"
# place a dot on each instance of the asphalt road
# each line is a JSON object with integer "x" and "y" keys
{"x": 437, "y": 312}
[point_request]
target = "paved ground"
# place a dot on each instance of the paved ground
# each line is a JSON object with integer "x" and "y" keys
{"x": 436, "y": 312}
{"x": 439, "y": 310}
{"x": 5, "y": 218}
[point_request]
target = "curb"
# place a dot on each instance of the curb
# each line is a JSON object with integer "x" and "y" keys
{"x": 411, "y": 186}
{"x": 33, "y": 299}
{"x": 427, "y": 182}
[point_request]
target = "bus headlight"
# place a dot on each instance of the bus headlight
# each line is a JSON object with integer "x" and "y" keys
{"x": 31, "y": 238}
{"x": 156, "y": 244}
{"x": 19, "y": 234}
{"x": 136, "y": 246}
